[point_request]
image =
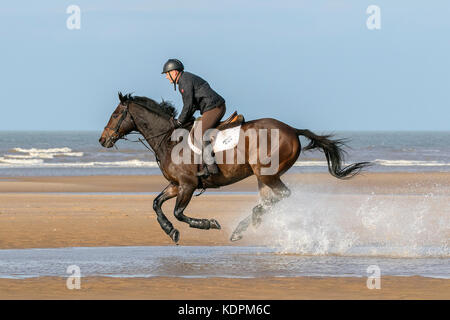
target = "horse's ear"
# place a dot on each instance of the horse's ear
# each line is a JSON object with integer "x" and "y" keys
{"x": 120, "y": 97}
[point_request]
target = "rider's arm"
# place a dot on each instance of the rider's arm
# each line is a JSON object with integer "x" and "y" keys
{"x": 187, "y": 92}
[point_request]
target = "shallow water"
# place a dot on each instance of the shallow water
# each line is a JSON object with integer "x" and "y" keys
{"x": 205, "y": 261}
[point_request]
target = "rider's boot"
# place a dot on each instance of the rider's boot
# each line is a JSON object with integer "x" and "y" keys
{"x": 208, "y": 169}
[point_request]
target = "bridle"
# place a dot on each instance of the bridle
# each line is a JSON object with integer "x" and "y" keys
{"x": 116, "y": 133}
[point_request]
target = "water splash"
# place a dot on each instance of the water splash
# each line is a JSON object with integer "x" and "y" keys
{"x": 325, "y": 221}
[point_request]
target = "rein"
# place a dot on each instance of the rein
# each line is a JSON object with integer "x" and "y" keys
{"x": 150, "y": 149}
{"x": 158, "y": 112}
{"x": 122, "y": 118}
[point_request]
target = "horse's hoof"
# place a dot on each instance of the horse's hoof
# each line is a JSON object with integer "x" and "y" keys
{"x": 236, "y": 237}
{"x": 174, "y": 235}
{"x": 214, "y": 224}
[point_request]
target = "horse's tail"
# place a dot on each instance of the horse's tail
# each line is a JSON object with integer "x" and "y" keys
{"x": 334, "y": 153}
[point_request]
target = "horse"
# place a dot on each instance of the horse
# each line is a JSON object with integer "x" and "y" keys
{"x": 155, "y": 122}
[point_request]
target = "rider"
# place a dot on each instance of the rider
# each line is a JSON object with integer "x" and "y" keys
{"x": 197, "y": 95}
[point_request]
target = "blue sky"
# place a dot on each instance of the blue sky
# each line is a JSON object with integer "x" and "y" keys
{"x": 313, "y": 64}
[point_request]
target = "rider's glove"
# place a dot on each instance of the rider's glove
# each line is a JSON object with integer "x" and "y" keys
{"x": 177, "y": 123}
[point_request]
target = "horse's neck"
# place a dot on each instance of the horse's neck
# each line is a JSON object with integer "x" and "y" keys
{"x": 155, "y": 134}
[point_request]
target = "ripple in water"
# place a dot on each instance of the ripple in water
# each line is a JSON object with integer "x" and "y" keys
{"x": 203, "y": 262}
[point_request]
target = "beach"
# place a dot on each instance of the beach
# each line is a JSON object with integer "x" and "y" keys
{"x": 229, "y": 289}
{"x": 345, "y": 102}
{"x": 103, "y": 211}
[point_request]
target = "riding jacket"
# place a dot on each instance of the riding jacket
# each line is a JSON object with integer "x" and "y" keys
{"x": 197, "y": 95}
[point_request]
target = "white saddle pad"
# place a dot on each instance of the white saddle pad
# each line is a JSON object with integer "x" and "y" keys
{"x": 224, "y": 140}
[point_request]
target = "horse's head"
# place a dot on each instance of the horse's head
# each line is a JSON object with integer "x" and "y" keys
{"x": 120, "y": 124}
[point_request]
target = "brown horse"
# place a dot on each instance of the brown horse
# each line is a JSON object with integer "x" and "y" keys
{"x": 155, "y": 122}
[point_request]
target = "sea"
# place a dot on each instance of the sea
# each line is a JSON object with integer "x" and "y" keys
{"x": 75, "y": 153}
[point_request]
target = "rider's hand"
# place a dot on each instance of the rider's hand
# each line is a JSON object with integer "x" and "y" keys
{"x": 177, "y": 123}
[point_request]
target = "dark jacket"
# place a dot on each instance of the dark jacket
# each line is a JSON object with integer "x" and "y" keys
{"x": 197, "y": 95}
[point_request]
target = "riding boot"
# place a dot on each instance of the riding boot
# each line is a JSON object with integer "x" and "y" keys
{"x": 211, "y": 167}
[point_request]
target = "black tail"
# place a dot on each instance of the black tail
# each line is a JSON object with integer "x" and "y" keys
{"x": 334, "y": 154}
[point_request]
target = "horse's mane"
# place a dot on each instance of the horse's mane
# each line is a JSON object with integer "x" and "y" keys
{"x": 165, "y": 107}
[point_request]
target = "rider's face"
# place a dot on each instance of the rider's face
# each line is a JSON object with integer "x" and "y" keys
{"x": 173, "y": 73}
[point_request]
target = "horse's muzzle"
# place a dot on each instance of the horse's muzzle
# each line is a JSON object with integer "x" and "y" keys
{"x": 106, "y": 142}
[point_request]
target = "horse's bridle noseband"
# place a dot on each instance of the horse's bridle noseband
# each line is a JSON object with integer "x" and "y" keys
{"x": 119, "y": 123}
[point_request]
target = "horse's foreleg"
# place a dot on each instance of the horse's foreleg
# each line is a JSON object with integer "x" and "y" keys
{"x": 183, "y": 198}
{"x": 168, "y": 193}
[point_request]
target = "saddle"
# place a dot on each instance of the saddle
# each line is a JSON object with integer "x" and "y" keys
{"x": 235, "y": 120}
{"x": 232, "y": 121}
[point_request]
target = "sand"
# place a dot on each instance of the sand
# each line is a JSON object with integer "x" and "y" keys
{"x": 47, "y": 212}
{"x": 396, "y": 182}
{"x": 231, "y": 289}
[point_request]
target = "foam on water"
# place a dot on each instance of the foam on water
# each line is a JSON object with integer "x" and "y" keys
{"x": 380, "y": 162}
{"x": 44, "y": 155}
{"x": 35, "y": 157}
{"x": 49, "y": 150}
{"x": 6, "y": 162}
{"x": 134, "y": 163}
{"x": 326, "y": 222}
{"x": 49, "y": 153}
{"x": 306, "y": 163}
{"x": 410, "y": 163}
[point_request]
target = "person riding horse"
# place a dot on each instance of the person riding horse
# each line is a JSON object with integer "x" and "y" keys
{"x": 155, "y": 122}
{"x": 197, "y": 95}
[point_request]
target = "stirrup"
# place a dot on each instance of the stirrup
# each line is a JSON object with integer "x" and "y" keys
{"x": 212, "y": 168}
{"x": 204, "y": 172}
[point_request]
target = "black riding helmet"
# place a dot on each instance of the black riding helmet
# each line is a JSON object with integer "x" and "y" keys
{"x": 173, "y": 64}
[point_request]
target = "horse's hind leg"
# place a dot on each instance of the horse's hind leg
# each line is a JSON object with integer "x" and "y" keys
{"x": 245, "y": 223}
{"x": 184, "y": 196}
{"x": 168, "y": 193}
{"x": 279, "y": 190}
{"x": 257, "y": 211}
{"x": 277, "y": 186}
{"x": 262, "y": 207}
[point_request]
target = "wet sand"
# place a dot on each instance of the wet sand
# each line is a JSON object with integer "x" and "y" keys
{"x": 220, "y": 288}
{"x": 397, "y": 182}
{"x": 41, "y": 212}
{"x": 63, "y": 220}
